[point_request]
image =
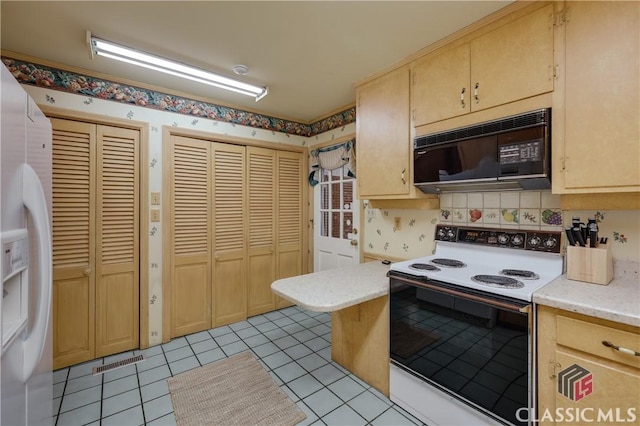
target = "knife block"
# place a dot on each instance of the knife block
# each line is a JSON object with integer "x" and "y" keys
{"x": 592, "y": 265}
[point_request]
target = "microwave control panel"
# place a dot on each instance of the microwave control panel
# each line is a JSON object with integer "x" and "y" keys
{"x": 522, "y": 152}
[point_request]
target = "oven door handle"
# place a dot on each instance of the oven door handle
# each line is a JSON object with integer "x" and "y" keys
{"x": 525, "y": 309}
{"x": 514, "y": 307}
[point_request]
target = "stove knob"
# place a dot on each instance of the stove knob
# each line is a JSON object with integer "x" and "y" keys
{"x": 503, "y": 238}
{"x": 442, "y": 233}
{"x": 534, "y": 241}
{"x": 550, "y": 242}
{"x": 517, "y": 240}
{"x": 451, "y": 235}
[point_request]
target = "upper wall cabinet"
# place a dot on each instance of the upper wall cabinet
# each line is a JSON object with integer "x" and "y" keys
{"x": 383, "y": 139}
{"x": 596, "y": 137}
{"x": 512, "y": 62}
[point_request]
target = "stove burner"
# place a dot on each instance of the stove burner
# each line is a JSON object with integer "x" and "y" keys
{"x": 525, "y": 275}
{"x": 497, "y": 281}
{"x": 423, "y": 267}
{"x": 449, "y": 263}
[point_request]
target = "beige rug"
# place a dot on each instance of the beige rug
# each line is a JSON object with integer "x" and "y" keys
{"x": 232, "y": 391}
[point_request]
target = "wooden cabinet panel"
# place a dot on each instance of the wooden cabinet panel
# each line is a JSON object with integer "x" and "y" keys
{"x": 437, "y": 82}
{"x": 191, "y": 295}
{"x": 611, "y": 380}
{"x": 596, "y": 133}
{"x": 384, "y": 155}
{"x": 514, "y": 61}
{"x": 73, "y": 321}
{"x": 360, "y": 341}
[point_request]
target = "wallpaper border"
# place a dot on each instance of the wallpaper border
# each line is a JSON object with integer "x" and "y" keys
{"x": 65, "y": 81}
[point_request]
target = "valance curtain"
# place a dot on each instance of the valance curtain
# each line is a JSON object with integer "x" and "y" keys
{"x": 331, "y": 158}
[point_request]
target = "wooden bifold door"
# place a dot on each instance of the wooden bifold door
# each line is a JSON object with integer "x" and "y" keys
{"x": 95, "y": 241}
{"x": 235, "y": 226}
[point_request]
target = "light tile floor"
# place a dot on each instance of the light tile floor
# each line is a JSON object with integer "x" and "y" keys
{"x": 292, "y": 344}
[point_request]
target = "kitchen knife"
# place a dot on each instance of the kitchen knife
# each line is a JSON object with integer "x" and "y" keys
{"x": 577, "y": 235}
{"x": 572, "y": 241}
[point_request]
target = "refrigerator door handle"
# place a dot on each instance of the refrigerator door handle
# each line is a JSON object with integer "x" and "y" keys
{"x": 34, "y": 200}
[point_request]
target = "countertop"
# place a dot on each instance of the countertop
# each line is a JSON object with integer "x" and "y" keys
{"x": 334, "y": 289}
{"x": 618, "y": 301}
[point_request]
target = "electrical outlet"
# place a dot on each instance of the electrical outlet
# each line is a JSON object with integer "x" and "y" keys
{"x": 155, "y": 215}
{"x": 155, "y": 198}
{"x": 396, "y": 223}
{"x": 371, "y": 213}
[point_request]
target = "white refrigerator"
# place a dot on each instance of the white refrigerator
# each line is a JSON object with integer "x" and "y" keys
{"x": 25, "y": 268}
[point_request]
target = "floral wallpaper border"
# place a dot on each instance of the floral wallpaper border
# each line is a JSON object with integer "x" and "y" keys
{"x": 65, "y": 81}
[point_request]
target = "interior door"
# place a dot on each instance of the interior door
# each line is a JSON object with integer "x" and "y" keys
{"x": 96, "y": 238}
{"x": 117, "y": 240}
{"x": 190, "y": 236}
{"x": 261, "y": 211}
{"x": 289, "y": 234}
{"x": 229, "y": 234}
{"x": 74, "y": 233}
{"x": 336, "y": 221}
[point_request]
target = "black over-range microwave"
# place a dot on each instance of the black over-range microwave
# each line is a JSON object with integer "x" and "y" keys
{"x": 509, "y": 153}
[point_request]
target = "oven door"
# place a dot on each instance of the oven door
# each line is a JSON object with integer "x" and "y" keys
{"x": 475, "y": 347}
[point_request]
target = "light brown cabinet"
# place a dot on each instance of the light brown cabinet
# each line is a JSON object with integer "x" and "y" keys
{"x": 384, "y": 154}
{"x": 596, "y": 136}
{"x": 509, "y": 63}
{"x": 578, "y": 375}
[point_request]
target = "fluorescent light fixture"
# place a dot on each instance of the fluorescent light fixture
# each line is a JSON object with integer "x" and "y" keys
{"x": 156, "y": 63}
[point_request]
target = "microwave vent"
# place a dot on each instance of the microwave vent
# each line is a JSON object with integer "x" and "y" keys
{"x": 521, "y": 121}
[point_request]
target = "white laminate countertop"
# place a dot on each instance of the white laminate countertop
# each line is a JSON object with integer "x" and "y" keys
{"x": 618, "y": 301}
{"x": 334, "y": 289}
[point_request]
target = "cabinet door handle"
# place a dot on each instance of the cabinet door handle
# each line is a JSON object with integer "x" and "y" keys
{"x": 404, "y": 181}
{"x": 475, "y": 93}
{"x": 620, "y": 349}
{"x": 462, "y": 97}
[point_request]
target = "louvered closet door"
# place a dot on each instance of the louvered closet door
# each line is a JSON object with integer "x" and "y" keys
{"x": 117, "y": 240}
{"x": 73, "y": 242}
{"x": 229, "y": 234}
{"x": 190, "y": 262}
{"x": 289, "y": 180}
{"x": 261, "y": 210}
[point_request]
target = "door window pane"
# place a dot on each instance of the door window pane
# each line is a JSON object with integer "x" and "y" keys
{"x": 335, "y": 224}
{"x": 336, "y": 203}
{"x": 347, "y": 225}
{"x": 324, "y": 224}
{"x": 324, "y": 196}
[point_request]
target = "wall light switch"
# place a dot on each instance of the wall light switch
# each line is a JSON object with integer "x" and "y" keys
{"x": 155, "y": 215}
{"x": 396, "y": 223}
{"x": 155, "y": 198}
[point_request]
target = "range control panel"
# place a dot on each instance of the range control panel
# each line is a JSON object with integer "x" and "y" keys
{"x": 545, "y": 241}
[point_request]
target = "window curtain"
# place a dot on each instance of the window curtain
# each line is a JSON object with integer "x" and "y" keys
{"x": 331, "y": 158}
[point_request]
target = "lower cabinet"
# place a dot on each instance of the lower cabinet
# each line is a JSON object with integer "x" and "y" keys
{"x": 580, "y": 378}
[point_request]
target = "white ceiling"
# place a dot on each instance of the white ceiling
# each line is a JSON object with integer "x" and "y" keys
{"x": 309, "y": 53}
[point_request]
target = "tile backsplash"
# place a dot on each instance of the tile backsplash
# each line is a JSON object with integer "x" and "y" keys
{"x": 530, "y": 210}
{"x": 521, "y": 210}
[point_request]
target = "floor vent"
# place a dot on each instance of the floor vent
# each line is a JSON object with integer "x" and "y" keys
{"x": 117, "y": 364}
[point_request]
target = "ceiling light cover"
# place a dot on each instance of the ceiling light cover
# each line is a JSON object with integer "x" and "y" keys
{"x": 145, "y": 60}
